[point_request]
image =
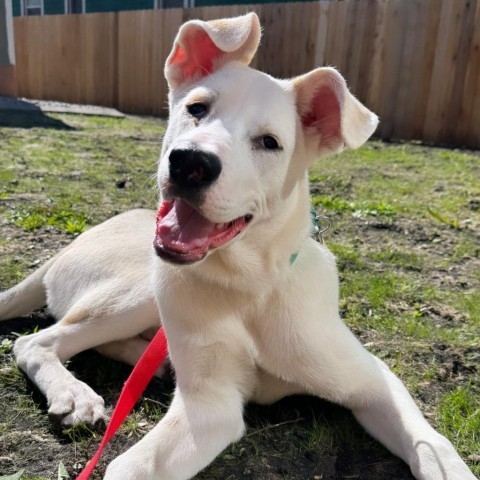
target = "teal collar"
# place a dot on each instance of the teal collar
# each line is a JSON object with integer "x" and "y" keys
{"x": 293, "y": 257}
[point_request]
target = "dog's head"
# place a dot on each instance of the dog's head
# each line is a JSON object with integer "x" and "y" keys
{"x": 238, "y": 140}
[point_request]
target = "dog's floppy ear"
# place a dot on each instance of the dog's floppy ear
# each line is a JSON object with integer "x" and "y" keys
{"x": 202, "y": 47}
{"x": 331, "y": 116}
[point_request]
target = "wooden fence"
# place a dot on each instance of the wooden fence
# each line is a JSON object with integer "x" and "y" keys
{"x": 416, "y": 63}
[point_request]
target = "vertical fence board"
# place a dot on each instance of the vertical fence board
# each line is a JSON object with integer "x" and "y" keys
{"x": 21, "y": 54}
{"x": 464, "y": 35}
{"x": 448, "y": 132}
{"x": 407, "y": 73}
{"x": 394, "y": 46}
{"x": 443, "y": 67}
{"x": 271, "y": 50}
{"x": 352, "y": 20}
{"x": 365, "y": 39}
{"x": 336, "y": 35}
{"x": 359, "y": 37}
{"x": 99, "y": 58}
{"x": 169, "y": 20}
{"x": 430, "y": 23}
{"x": 321, "y": 34}
{"x": 468, "y": 128}
{"x": 375, "y": 76}
{"x": 311, "y": 38}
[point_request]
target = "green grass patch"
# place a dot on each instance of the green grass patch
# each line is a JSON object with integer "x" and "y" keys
{"x": 396, "y": 257}
{"x": 459, "y": 419}
{"x": 81, "y": 434}
{"x": 357, "y": 209}
{"x": 410, "y": 178}
{"x": 12, "y": 270}
{"x": 471, "y": 303}
{"x": 68, "y": 221}
{"x": 337, "y": 428}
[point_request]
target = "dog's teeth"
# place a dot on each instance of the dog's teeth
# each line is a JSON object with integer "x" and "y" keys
{"x": 220, "y": 225}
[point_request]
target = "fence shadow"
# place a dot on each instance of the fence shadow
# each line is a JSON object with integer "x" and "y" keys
{"x": 16, "y": 113}
{"x": 30, "y": 119}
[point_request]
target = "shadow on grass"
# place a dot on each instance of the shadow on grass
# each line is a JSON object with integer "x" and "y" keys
{"x": 25, "y": 325}
{"x": 31, "y": 118}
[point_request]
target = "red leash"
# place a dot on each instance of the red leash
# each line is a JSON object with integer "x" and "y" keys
{"x": 136, "y": 383}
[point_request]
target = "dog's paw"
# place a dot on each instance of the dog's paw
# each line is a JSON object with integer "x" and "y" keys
{"x": 76, "y": 403}
{"x": 438, "y": 459}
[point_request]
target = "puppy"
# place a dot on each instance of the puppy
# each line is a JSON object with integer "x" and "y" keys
{"x": 248, "y": 300}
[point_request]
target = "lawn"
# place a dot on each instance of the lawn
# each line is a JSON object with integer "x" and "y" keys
{"x": 406, "y": 231}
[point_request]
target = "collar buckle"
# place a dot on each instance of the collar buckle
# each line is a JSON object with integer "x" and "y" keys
{"x": 321, "y": 225}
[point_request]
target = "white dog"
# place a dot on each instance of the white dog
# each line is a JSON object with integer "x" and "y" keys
{"x": 248, "y": 300}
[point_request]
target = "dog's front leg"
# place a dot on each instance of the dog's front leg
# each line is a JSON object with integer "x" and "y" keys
{"x": 347, "y": 374}
{"x": 326, "y": 359}
{"x": 206, "y": 414}
{"x": 392, "y": 417}
{"x": 196, "y": 428}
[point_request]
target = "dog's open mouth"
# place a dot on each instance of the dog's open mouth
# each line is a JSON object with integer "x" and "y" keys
{"x": 183, "y": 235}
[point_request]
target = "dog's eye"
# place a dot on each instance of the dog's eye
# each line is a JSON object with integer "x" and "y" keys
{"x": 197, "y": 110}
{"x": 269, "y": 143}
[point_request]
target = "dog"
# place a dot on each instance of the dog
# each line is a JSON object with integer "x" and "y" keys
{"x": 248, "y": 301}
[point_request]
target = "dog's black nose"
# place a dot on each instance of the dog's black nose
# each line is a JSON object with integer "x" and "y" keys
{"x": 193, "y": 169}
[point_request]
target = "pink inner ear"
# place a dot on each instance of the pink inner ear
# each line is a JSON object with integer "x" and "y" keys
{"x": 197, "y": 55}
{"x": 324, "y": 114}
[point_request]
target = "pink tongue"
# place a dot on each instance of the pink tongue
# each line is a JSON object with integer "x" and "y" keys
{"x": 183, "y": 228}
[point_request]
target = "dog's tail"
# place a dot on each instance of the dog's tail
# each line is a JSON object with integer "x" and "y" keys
{"x": 25, "y": 297}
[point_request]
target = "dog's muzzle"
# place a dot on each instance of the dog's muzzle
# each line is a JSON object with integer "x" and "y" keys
{"x": 192, "y": 169}
{"x": 183, "y": 234}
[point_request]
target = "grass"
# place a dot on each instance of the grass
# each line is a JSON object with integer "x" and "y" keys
{"x": 358, "y": 209}
{"x": 405, "y": 177}
{"x": 63, "y": 218}
{"x": 459, "y": 418}
{"x": 405, "y": 233}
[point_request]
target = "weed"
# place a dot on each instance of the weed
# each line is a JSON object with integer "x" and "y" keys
{"x": 6, "y": 346}
{"x": 15, "y": 476}
{"x": 134, "y": 425}
{"x": 357, "y": 209}
{"x": 81, "y": 434}
{"x": 446, "y": 220}
{"x": 62, "y": 472}
{"x": 69, "y": 221}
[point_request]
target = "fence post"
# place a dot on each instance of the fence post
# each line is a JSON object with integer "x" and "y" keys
{"x": 8, "y": 85}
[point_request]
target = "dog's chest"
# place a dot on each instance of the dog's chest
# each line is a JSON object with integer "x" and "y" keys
{"x": 276, "y": 339}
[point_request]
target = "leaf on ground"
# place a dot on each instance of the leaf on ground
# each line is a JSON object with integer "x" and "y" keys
{"x": 62, "y": 472}
{"x": 15, "y": 476}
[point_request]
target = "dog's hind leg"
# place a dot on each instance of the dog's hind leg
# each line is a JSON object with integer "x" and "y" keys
{"x": 128, "y": 351}
{"x": 269, "y": 389}
{"x": 41, "y": 356}
{"x": 27, "y": 296}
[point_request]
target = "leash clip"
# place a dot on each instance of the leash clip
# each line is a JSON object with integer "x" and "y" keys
{"x": 321, "y": 225}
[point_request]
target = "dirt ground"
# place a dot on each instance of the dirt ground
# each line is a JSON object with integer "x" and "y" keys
{"x": 406, "y": 234}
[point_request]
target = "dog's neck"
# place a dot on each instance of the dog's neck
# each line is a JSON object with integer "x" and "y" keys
{"x": 250, "y": 265}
